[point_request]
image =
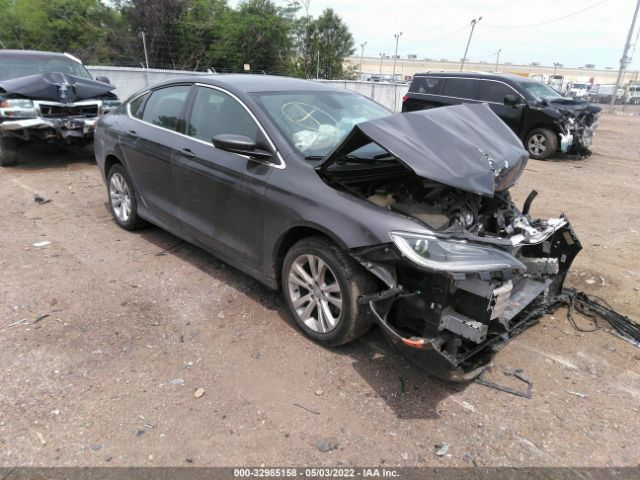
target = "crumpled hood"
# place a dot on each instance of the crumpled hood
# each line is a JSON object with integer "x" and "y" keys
{"x": 59, "y": 87}
{"x": 464, "y": 146}
{"x": 574, "y": 105}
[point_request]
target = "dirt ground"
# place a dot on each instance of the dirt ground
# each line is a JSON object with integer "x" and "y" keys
{"x": 108, "y": 377}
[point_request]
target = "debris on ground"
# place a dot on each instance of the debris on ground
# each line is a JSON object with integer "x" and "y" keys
{"x": 41, "y": 317}
{"x": 41, "y": 438}
{"x": 441, "y": 449}
{"x": 40, "y": 200}
{"x": 307, "y": 409}
{"x": 177, "y": 381}
{"x": 515, "y": 372}
{"x": 319, "y": 392}
{"x": 326, "y": 444}
{"x": 578, "y": 394}
{"x": 199, "y": 393}
{"x": 42, "y": 244}
{"x": 14, "y": 324}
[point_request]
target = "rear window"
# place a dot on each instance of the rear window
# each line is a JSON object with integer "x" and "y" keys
{"x": 164, "y": 106}
{"x": 461, "y": 88}
{"x": 425, "y": 85}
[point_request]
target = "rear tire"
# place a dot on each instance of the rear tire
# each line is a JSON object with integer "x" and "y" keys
{"x": 9, "y": 151}
{"x": 321, "y": 285}
{"x": 541, "y": 143}
{"x": 122, "y": 198}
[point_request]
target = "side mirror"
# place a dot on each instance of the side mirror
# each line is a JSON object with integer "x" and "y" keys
{"x": 240, "y": 144}
{"x": 104, "y": 80}
{"x": 511, "y": 100}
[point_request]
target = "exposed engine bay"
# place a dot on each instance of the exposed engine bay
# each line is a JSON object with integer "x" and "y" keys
{"x": 460, "y": 316}
{"x": 480, "y": 270}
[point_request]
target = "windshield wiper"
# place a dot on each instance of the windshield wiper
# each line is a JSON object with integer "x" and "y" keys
{"x": 313, "y": 157}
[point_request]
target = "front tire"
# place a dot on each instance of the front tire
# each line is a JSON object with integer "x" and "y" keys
{"x": 9, "y": 151}
{"x": 122, "y": 199}
{"x": 321, "y": 285}
{"x": 541, "y": 143}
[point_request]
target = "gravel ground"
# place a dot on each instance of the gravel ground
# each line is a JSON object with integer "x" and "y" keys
{"x": 109, "y": 376}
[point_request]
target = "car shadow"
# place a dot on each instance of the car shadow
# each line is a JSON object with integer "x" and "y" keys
{"x": 43, "y": 156}
{"x": 407, "y": 390}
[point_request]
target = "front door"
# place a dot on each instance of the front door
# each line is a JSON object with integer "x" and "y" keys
{"x": 221, "y": 194}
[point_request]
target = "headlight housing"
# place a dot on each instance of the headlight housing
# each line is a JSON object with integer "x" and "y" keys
{"x": 17, "y": 108}
{"x": 452, "y": 256}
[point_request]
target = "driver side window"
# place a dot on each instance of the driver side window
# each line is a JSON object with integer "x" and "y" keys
{"x": 214, "y": 113}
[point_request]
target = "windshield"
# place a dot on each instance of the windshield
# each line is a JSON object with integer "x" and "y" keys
{"x": 540, "y": 91}
{"x": 22, "y": 67}
{"x": 315, "y": 122}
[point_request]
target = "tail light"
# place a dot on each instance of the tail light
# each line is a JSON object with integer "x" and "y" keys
{"x": 405, "y": 98}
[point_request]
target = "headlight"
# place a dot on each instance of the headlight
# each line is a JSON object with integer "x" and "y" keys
{"x": 452, "y": 256}
{"x": 17, "y": 108}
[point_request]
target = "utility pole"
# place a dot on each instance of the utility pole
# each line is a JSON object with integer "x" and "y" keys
{"x": 362, "y": 45}
{"x": 623, "y": 60}
{"x": 318, "y": 66}
{"x": 498, "y": 59}
{"x": 466, "y": 50}
{"x": 144, "y": 46}
{"x": 393, "y": 75}
{"x": 395, "y": 57}
{"x": 381, "y": 57}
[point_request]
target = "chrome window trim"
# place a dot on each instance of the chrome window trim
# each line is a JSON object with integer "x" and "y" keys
{"x": 464, "y": 98}
{"x": 281, "y": 165}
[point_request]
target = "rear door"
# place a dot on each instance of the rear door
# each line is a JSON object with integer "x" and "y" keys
{"x": 221, "y": 194}
{"x": 460, "y": 90}
{"x": 493, "y": 93}
{"x": 148, "y": 145}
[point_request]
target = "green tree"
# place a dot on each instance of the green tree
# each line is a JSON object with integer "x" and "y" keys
{"x": 327, "y": 41}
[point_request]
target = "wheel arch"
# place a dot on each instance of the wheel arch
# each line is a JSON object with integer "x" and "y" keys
{"x": 292, "y": 236}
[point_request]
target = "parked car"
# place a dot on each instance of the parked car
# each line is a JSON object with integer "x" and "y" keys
{"x": 544, "y": 120}
{"x": 359, "y": 216}
{"x": 48, "y": 97}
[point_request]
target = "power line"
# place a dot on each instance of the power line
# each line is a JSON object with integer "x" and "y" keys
{"x": 549, "y": 21}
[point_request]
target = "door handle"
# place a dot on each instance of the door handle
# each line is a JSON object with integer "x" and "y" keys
{"x": 132, "y": 134}
{"x": 187, "y": 152}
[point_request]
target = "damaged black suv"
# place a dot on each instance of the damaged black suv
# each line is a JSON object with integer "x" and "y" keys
{"x": 48, "y": 97}
{"x": 358, "y": 215}
{"x": 543, "y": 119}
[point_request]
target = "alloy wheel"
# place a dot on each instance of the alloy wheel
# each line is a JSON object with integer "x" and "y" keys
{"x": 315, "y": 293}
{"x": 537, "y": 144}
{"x": 120, "y": 196}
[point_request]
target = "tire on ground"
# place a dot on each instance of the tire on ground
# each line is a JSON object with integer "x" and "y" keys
{"x": 9, "y": 151}
{"x": 355, "y": 319}
{"x": 550, "y": 143}
{"x": 134, "y": 221}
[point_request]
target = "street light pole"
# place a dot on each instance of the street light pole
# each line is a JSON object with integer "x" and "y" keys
{"x": 623, "y": 60}
{"x": 362, "y": 45}
{"x": 395, "y": 57}
{"x": 466, "y": 50}
{"x": 381, "y": 57}
{"x": 498, "y": 58}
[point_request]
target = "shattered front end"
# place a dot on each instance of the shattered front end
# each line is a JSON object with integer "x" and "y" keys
{"x": 450, "y": 319}
{"x": 470, "y": 270}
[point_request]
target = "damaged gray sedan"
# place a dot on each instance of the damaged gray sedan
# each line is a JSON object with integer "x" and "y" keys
{"x": 48, "y": 97}
{"x": 359, "y": 216}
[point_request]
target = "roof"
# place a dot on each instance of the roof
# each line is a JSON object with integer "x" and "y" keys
{"x": 487, "y": 75}
{"x": 34, "y": 54}
{"x": 249, "y": 83}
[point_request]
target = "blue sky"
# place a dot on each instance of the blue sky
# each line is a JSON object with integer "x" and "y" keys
{"x": 595, "y": 36}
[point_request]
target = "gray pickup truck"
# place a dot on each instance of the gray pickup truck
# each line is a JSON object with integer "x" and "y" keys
{"x": 48, "y": 97}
